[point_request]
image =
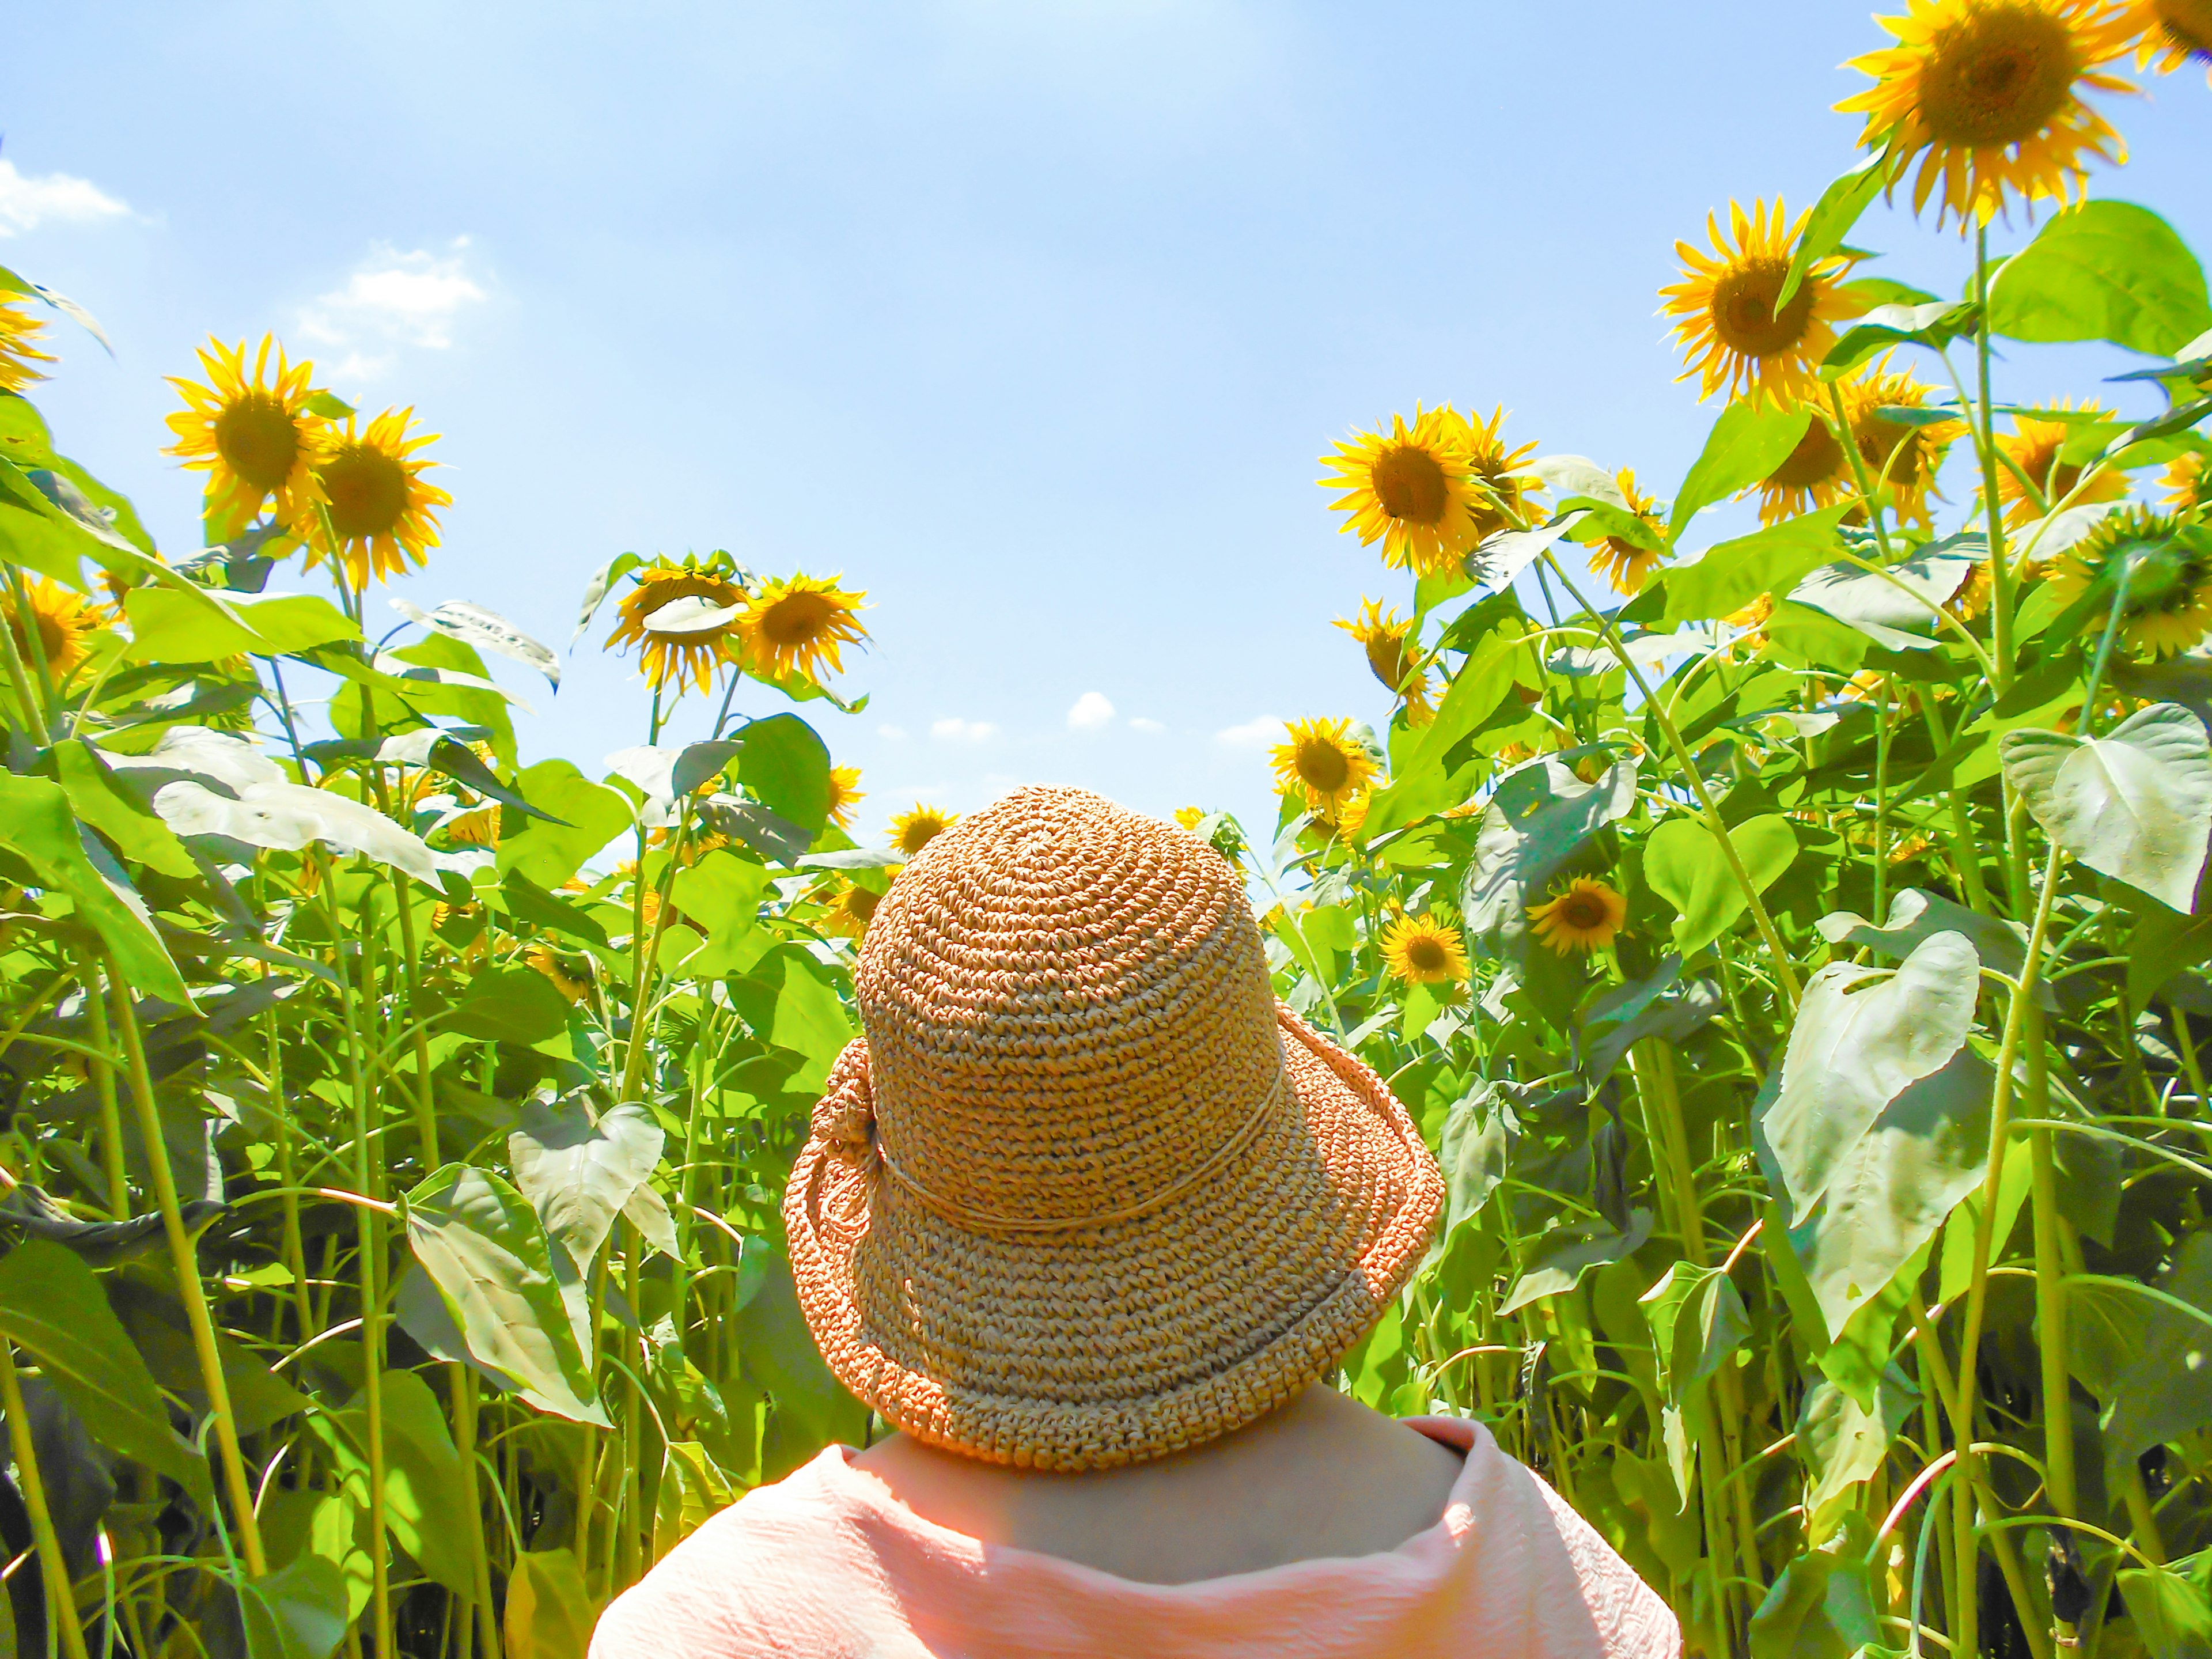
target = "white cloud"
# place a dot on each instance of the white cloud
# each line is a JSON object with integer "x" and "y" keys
{"x": 27, "y": 203}
{"x": 1141, "y": 723}
{"x": 1091, "y": 713}
{"x": 891, "y": 733}
{"x": 956, "y": 730}
{"x": 393, "y": 300}
{"x": 1252, "y": 734}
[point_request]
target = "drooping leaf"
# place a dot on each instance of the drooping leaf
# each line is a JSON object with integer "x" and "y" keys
{"x": 2171, "y": 1610}
{"x": 36, "y": 822}
{"x": 2135, "y": 804}
{"x": 1746, "y": 444}
{"x": 299, "y": 1611}
{"x": 1473, "y": 1154}
{"x": 1830, "y": 221}
{"x": 1733, "y": 573}
{"x": 529, "y": 902}
{"x": 101, "y": 1244}
{"x": 100, "y": 800}
{"x": 1821, "y": 1608}
{"x": 1558, "y": 1260}
{"x": 579, "y": 1174}
{"x": 550, "y": 1614}
{"x": 1698, "y": 1319}
{"x": 1686, "y": 865}
{"x": 1933, "y": 325}
{"x": 595, "y": 591}
{"x": 589, "y": 816}
{"x": 487, "y": 630}
{"x": 223, "y": 759}
{"x": 291, "y": 815}
{"x": 1897, "y": 609}
{"x": 1915, "y": 915}
{"x": 2103, "y": 270}
{"x": 1842, "y": 1443}
{"x": 512, "y": 1004}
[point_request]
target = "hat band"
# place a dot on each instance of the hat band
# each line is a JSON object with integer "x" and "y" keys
{"x": 985, "y": 1221}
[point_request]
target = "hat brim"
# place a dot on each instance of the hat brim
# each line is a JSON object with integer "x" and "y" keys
{"x": 1111, "y": 1344}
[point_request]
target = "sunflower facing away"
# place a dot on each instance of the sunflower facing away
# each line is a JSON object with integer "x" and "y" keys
{"x": 1323, "y": 763}
{"x": 913, "y": 830}
{"x": 1813, "y": 475}
{"x": 1424, "y": 951}
{"x": 686, "y": 645}
{"x": 2189, "y": 485}
{"x": 571, "y": 975}
{"x": 19, "y": 332}
{"x": 1502, "y": 497}
{"x": 1352, "y": 816}
{"x": 1988, "y": 95}
{"x": 845, "y": 794}
{"x": 1624, "y": 564}
{"x": 1410, "y": 488}
{"x": 2173, "y": 33}
{"x": 1732, "y": 337}
{"x": 381, "y": 513}
{"x": 2033, "y": 447}
{"x": 791, "y": 627}
{"x": 1585, "y": 917}
{"x": 2169, "y": 565}
{"x": 852, "y": 908}
{"x": 1384, "y": 637}
{"x": 252, "y": 435}
{"x": 65, "y": 622}
{"x": 1897, "y": 453}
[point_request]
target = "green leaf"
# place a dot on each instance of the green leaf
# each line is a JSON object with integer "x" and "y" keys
{"x": 579, "y": 1174}
{"x": 1821, "y": 1608}
{"x": 1861, "y": 1036}
{"x": 722, "y": 892}
{"x": 593, "y": 815}
{"x": 36, "y": 822}
{"x": 291, "y": 815}
{"x": 1419, "y": 787}
{"x": 1558, "y": 1259}
{"x": 2103, "y": 270}
{"x": 1830, "y": 221}
{"x": 171, "y": 626}
{"x": 1915, "y": 915}
{"x": 2149, "y": 1364}
{"x": 785, "y": 766}
{"x": 1842, "y": 1443}
{"x": 528, "y": 902}
{"x": 96, "y": 798}
{"x": 780, "y": 1356}
{"x": 1697, "y": 1320}
{"x": 298, "y": 1612}
{"x": 518, "y": 1302}
{"x": 1886, "y": 327}
{"x": 2136, "y": 804}
{"x": 1897, "y": 610}
{"x": 1472, "y": 1152}
{"x": 513, "y": 1004}
{"x": 2172, "y": 1613}
{"x": 550, "y": 1613}
{"x": 1746, "y": 444}
{"x": 423, "y": 1488}
{"x": 790, "y": 1001}
{"x": 1735, "y": 572}
{"x": 1538, "y": 817}
{"x": 473, "y": 625}
{"x": 51, "y": 1304}
{"x": 1685, "y": 865}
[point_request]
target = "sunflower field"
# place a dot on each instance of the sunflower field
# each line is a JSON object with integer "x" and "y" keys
{"x": 1793, "y": 948}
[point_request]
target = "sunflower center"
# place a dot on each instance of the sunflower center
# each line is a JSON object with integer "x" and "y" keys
{"x": 53, "y": 637}
{"x": 368, "y": 489}
{"x": 860, "y": 903}
{"x": 257, "y": 438}
{"x": 1816, "y": 459}
{"x": 1742, "y": 307}
{"x": 1323, "y": 767}
{"x": 1426, "y": 955}
{"x": 2188, "y": 24}
{"x": 1583, "y": 912}
{"x": 797, "y": 618}
{"x": 1997, "y": 76}
{"x": 1880, "y": 440}
{"x": 1410, "y": 483}
{"x": 1386, "y": 656}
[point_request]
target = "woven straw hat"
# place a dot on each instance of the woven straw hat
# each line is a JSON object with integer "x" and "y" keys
{"x": 1086, "y": 1193}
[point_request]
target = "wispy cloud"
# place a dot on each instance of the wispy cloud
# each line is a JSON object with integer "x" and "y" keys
{"x": 956, "y": 730}
{"x": 891, "y": 733}
{"x": 27, "y": 203}
{"x": 1144, "y": 723}
{"x": 1252, "y": 734}
{"x": 394, "y": 300}
{"x": 1091, "y": 713}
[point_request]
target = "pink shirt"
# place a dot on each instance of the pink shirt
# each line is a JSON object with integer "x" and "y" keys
{"x": 827, "y": 1564}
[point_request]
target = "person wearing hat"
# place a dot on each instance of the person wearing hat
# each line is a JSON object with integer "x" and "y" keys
{"x": 1091, "y": 1218}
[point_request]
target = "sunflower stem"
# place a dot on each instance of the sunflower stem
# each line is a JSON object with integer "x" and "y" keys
{"x": 61, "y": 1597}
{"x": 2105, "y": 649}
{"x": 1849, "y": 442}
{"x": 34, "y": 714}
{"x": 1983, "y": 427}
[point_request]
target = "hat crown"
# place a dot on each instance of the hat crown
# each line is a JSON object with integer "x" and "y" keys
{"x": 1067, "y": 1010}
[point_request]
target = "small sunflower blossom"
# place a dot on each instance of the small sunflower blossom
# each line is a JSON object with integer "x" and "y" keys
{"x": 795, "y": 625}
{"x": 571, "y": 975}
{"x": 1899, "y": 454}
{"x": 1627, "y": 565}
{"x": 1422, "y": 950}
{"x": 1814, "y": 474}
{"x": 685, "y": 646}
{"x": 379, "y": 513}
{"x": 1733, "y": 338}
{"x": 1585, "y": 915}
{"x": 2174, "y": 34}
{"x": 851, "y": 906}
{"x": 1502, "y": 489}
{"x": 1753, "y": 619}
{"x": 2189, "y": 485}
{"x": 845, "y": 795}
{"x": 915, "y": 829}
{"x": 56, "y": 626}
{"x": 1986, "y": 95}
{"x": 2168, "y": 567}
{"x": 1411, "y": 488}
{"x": 1323, "y": 763}
{"x": 253, "y": 435}
{"x": 1190, "y": 817}
{"x": 1385, "y": 638}
{"x": 20, "y": 333}
{"x": 2033, "y": 447}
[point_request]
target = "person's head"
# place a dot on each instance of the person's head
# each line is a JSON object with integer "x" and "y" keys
{"x": 1086, "y": 1193}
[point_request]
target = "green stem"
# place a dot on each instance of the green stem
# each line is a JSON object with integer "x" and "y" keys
{"x": 61, "y": 1596}
{"x": 34, "y": 714}
{"x": 103, "y": 1083}
{"x": 1851, "y": 447}
{"x": 1983, "y": 427}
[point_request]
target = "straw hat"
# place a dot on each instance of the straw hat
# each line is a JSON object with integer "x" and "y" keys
{"x": 1086, "y": 1193}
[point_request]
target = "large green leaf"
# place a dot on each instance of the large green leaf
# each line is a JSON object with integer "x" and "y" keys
{"x": 1557, "y": 1261}
{"x": 1541, "y": 816}
{"x": 514, "y": 1004}
{"x": 1916, "y": 915}
{"x": 1685, "y": 864}
{"x": 550, "y": 1614}
{"x": 2171, "y": 1610}
{"x": 298, "y": 1612}
{"x": 1418, "y": 788}
{"x": 36, "y": 821}
{"x": 785, "y": 766}
{"x": 1821, "y": 1608}
{"x": 1746, "y": 444}
{"x": 51, "y": 1304}
{"x": 1842, "y": 1443}
{"x": 100, "y": 800}
{"x": 291, "y": 815}
{"x": 1863, "y": 1036}
{"x": 2148, "y": 1363}
{"x": 1472, "y": 1152}
{"x": 1897, "y": 609}
{"x": 518, "y": 1302}
{"x": 1933, "y": 324}
{"x": 1735, "y": 572}
{"x": 2103, "y": 270}
{"x": 722, "y": 893}
{"x": 424, "y": 1487}
{"x": 593, "y": 815}
{"x": 1830, "y": 221}
{"x": 580, "y": 1173}
{"x": 1697, "y": 1320}
{"x": 2135, "y": 804}
{"x": 789, "y": 1001}
{"x": 169, "y": 625}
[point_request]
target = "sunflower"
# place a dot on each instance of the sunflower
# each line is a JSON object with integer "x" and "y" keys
{"x": 1813, "y": 475}
{"x": 1753, "y": 619}
{"x": 2033, "y": 447}
{"x": 1584, "y": 917}
{"x": 1190, "y": 817}
{"x": 65, "y": 622}
{"x": 380, "y": 510}
{"x": 1624, "y": 564}
{"x": 1322, "y": 762}
{"x": 689, "y": 651}
{"x": 1385, "y": 636}
{"x": 1730, "y": 333}
{"x": 1971, "y": 597}
{"x": 1987, "y": 93}
{"x": 1905, "y": 456}
{"x": 791, "y": 628}
{"x": 845, "y": 794}
{"x": 2189, "y": 485}
{"x": 478, "y": 827}
{"x": 1351, "y": 819}
{"x": 18, "y": 330}
{"x": 253, "y": 436}
{"x": 912, "y": 832}
{"x": 1424, "y": 951}
{"x": 571, "y": 975}
{"x": 2174, "y": 32}
{"x": 2169, "y": 569}
{"x": 1501, "y": 501}
{"x": 852, "y": 908}
{"x": 1411, "y": 488}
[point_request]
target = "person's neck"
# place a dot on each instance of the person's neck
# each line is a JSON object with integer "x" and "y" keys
{"x": 1322, "y": 1476}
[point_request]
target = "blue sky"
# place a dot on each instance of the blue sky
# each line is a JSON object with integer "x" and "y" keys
{"x": 1029, "y": 316}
